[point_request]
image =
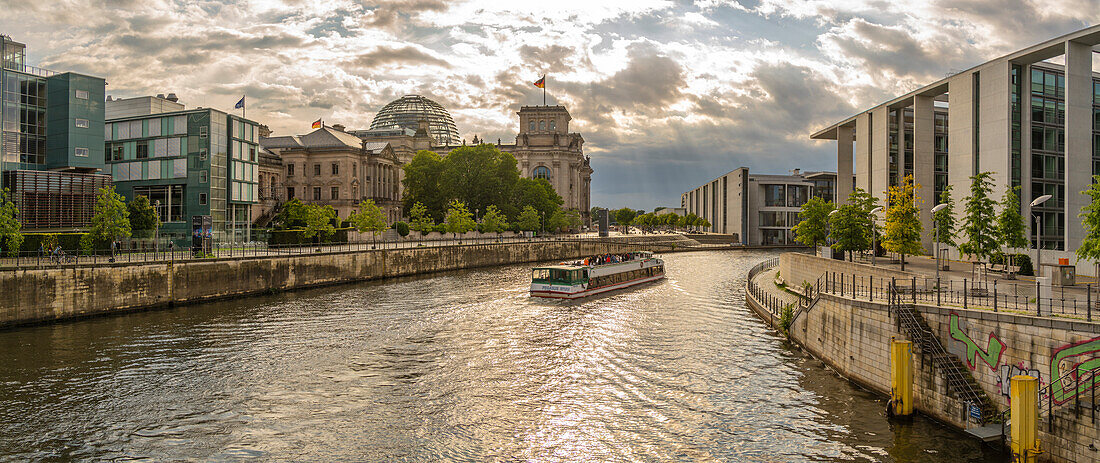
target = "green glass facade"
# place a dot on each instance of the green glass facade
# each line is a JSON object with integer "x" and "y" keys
{"x": 186, "y": 163}
{"x": 1048, "y": 147}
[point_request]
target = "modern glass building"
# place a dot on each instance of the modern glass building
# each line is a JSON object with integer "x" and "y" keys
{"x": 188, "y": 163}
{"x": 406, "y": 112}
{"x": 1031, "y": 118}
{"x": 51, "y": 141}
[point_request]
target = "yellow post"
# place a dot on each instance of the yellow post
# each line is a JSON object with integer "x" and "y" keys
{"x": 1024, "y": 393}
{"x": 901, "y": 377}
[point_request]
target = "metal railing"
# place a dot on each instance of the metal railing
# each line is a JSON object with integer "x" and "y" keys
{"x": 1076, "y": 302}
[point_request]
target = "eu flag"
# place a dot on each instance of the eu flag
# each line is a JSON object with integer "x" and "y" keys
{"x": 240, "y": 104}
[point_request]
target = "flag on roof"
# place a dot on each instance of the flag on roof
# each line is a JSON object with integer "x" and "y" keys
{"x": 317, "y": 124}
{"x": 541, "y": 83}
{"x": 240, "y": 104}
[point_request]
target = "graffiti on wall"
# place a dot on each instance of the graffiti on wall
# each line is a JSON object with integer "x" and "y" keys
{"x": 1004, "y": 376}
{"x": 1071, "y": 369}
{"x": 991, "y": 355}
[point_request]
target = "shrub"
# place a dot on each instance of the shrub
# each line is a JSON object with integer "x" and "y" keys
{"x": 786, "y": 317}
{"x": 69, "y": 242}
{"x": 402, "y": 228}
{"x": 1020, "y": 260}
{"x": 294, "y": 237}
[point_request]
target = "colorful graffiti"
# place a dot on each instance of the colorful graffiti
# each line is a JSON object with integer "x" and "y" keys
{"x": 1069, "y": 366}
{"x": 991, "y": 355}
{"x": 1004, "y": 377}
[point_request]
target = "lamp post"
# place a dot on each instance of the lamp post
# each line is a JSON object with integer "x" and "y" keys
{"x": 936, "y": 233}
{"x": 874, "y": 234}
{"x": 1039, "y": 235}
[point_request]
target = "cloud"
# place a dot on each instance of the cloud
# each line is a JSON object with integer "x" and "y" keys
{"x": 407, "y": 55}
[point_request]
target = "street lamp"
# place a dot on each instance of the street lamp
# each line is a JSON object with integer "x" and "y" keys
{"x": 1039, "y": 235}
{"x": 874, "y": 234}
{"x": 936, "y": 233}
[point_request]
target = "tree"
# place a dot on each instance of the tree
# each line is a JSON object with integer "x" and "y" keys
{"x": 423, "y": 183}
{"x": 1090, "y": 219}
{"x": 528, "y": 219}
{"x": 848, "y": 228}
{"x": 143, "y": 218}
{"x": 480, "y": 176}
{"x": 813, "y": 230}
{"x": 573, "y": 219}
{"x": 945, "y": 218}
{"x": 319, "y": 220}
{"x": 703, "y": 223}
{"x": 493, "y": 221}
{"x": 903, "y": 227}
{"x": 10, "y": 233}
{"x": 111, "y": 219}
{"x": 459, "y": 219}
{"x": 1010, "y": 223}
{"x": 534, "y": 192}
{"x": 369, "y": 218}
{"x": 980, "y": 242}
{"x": 556, "y": 221}
{"x": 421, "y": 219}
{"x": 292, "y": 215}
{"x": 623, "y": 217}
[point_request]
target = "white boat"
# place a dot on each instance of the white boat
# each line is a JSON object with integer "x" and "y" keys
{"x": 595, "y": 275}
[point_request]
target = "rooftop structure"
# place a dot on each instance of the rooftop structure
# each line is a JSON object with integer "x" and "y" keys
{"x": 407, "y": 111}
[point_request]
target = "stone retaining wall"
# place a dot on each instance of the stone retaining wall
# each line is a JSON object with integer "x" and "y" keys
{"x": 44, "y": 294}
{"x": 796, "y": 268}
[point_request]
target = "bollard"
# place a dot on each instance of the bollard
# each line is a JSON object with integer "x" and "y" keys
{"x": 1025, "y": 413}
{"x": 901, "y": 377}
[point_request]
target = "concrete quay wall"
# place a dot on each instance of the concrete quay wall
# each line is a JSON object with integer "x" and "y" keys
{"x": 853, "y": 337}
{"x": 45, "y": 294}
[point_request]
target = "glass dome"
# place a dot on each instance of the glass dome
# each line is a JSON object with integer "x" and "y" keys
{"x": 408, "y": 110}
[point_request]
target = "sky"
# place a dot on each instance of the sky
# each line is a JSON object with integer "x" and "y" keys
{"x": 667, "y": 94}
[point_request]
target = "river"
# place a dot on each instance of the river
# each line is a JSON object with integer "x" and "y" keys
{"x": 460, "y": 366}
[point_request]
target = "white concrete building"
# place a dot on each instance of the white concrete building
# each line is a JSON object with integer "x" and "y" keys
{"x": 1028, "y": 121}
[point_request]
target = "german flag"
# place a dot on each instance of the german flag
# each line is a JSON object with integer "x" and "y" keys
{"x": 541, "y": 83}
{"x": 317, "y": 124}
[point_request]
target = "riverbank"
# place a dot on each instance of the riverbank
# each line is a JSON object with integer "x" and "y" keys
{"x": 963, "y": 358}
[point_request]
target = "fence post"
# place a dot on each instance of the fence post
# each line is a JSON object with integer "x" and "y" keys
{"x": 914, "y": 290}
{"x": 1088, "y": 298}
{"x": 964, "y": 293}
{"x": 994, "y": 295}
{"x": 841, "y": 285}
{"x": 870, "y": 287}
{"x": 938, "y": 289}
{"x": 1038, "y": 301}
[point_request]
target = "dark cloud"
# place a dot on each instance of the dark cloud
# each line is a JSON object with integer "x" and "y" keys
{"x": 407, "y": 55}
{"x": 393, "y": 14}
{"x": 551, "y": 58}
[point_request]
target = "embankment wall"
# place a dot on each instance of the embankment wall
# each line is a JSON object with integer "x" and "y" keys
{"x": 853, "y": 337}
{"x": 44, "y": 294}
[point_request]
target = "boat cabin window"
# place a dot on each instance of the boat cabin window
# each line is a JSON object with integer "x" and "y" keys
{"x": 540, "y": 274}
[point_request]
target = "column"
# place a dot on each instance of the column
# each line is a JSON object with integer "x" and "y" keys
{"x": 843, "y": 163}
{"x": 880, "y": 153}
{"x": 1078, "y": 173}
{"x": 863, "y": 151}
{"x": 960, "y": 136}
{"x": 924, "y": 162}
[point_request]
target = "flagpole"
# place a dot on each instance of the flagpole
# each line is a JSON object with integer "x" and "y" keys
{"x": 544, "y": 90}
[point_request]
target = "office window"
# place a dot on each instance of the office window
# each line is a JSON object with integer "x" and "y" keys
{"x": 202, "y": 199}
{"x": 142, "y": 150}
{"x": 83, "y": 123}
{"x": 117, "y": 151}
{"x": 796, "y": 196}
{"x": 335, "y": 168}
{"x": 82, "y": 94}
{"x": 316, "y": 193}
{"x": 335, "y": 192}
{"x": 82, "y": 152}
{"x": 316, "y": 170}
{"x": 203, "y": 176}
{"x": 290, "y": 170}
{"x": 202, "y": 132}
{"x": 775, "y": 195}
{"x": 252, "y": 153}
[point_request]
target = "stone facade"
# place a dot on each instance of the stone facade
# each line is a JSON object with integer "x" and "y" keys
{"x": 545, "y": 148}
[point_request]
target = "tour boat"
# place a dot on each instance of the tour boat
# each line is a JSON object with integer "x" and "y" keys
{"x": 595, "y": 275}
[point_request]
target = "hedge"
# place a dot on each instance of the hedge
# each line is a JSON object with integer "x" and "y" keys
{"x": 291, "y": 237}
{"x": 69, "y": 242}
{"x": 402, "y": 228}
{"x": 1020, "y": 260}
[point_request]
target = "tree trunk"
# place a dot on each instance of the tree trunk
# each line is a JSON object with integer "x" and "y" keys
{"x": 903, "y": 262}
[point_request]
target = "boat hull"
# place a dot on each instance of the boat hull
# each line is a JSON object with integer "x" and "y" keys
{"x": 586, "y": 292}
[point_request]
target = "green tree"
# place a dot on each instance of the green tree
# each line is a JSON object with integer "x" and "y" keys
{"x": 945, "y": 218}
{"x": 319, "y": 220}
{"x": 459, "y": 219}
{"x": 143, "y": 218}
{"x": 980, "y": 242}
{"x": 292, "y": 215}
{"x": 111, "y": 219}
{"x": 703, "y": 223}
{"x": 423, "y": 183}
{"x": 624, "y": 217}
{"x": 556, "y": 221}
{"x": 528, "y": 219}
{"x": 10, "y": 226}
{"x": 903, "y": 227}
{"x": 534, "y": 192}
{"x": 421, "y": 220}
{"x": 480, "y": 176}
{"x": 369, "y": 218}
{"x": 1090, "y": 219}
{"x": 493, "y": 221}
{"x": 813, "y": 230}
{"x": 1010, "y": 223}
{"x": 848, "y": 229}
{"x": 573, "y": 219}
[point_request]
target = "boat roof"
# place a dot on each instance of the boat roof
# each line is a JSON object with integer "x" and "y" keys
{"x": 560, "y": 267}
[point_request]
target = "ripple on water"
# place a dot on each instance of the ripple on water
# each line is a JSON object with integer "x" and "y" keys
{"x": 460, "y": 366}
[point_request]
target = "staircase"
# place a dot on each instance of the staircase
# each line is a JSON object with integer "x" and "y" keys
{"x": 959, "y": 381}
{"x": 265, "y": 219}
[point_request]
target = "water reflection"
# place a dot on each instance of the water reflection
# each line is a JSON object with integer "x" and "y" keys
{"x": 460, "y": 367}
